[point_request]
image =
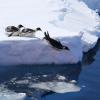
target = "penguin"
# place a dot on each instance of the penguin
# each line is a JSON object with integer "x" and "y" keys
{"x": 55, "y": 43}
{"x": 27, "y": 32}
{"x": 12, "y": 30}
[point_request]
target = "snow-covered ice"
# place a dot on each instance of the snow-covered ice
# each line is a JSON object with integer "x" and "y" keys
{"x": 71, "y": 22}
{"x": 37, "y": 51}
{"x": 6, "y": 94}
{"x": 58, "y": 87}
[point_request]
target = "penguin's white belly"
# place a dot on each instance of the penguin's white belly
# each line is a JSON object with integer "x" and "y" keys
{"x": 27, "y": 34}
{"x": 13, "y": 33}
{"x": 8, "y": 33}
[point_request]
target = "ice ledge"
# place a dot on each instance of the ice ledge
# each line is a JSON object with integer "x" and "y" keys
{"x": 37, "y": 51}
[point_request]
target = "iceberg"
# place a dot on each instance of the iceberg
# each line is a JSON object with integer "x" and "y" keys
{"x": 74, "y": 24}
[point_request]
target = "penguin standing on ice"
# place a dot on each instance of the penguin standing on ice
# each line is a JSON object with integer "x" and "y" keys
{"x": 27, "y": 32}
{"x": 54, "y": 43}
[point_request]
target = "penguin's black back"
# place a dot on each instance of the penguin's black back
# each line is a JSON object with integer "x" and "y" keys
{"x": 11, "y": 29}
{"x": 54, "y": 43}
{"x": 28, "y": 30}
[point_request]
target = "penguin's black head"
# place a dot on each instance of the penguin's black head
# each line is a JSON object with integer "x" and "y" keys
{"x": 38, "y": 29}
{"x": 20, "y": 26}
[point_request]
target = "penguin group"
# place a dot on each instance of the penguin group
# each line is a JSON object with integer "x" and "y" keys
{"x": 22, "y": 31}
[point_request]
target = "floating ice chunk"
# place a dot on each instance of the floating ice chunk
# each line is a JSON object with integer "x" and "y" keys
{"x": 59, "y": 87}
{"x": 6, "y": 94}
{"x": 60, "y": 77}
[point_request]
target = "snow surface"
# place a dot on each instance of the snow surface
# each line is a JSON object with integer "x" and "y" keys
{"x": 71, "y": 22}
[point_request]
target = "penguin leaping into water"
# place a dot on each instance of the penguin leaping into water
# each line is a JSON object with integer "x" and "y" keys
{"x": 54, "y": 43}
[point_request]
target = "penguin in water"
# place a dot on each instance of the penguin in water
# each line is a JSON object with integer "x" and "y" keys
{"x": 27, "y": 32}
{"x": 54, "y": 43}
{"x": 12, "y": 30}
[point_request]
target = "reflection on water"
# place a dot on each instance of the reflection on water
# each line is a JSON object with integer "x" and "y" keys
{"x": 88, "y": 57}
{"x": 30, "y": 78}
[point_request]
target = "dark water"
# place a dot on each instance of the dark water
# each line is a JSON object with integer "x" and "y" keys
{"x": 86, "y": 74}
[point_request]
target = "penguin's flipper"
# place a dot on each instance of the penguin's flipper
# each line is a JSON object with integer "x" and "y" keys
{"x": 48, "y": 34}
{"x": 45, "y": 34}
{"x": 10, "y": 34}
